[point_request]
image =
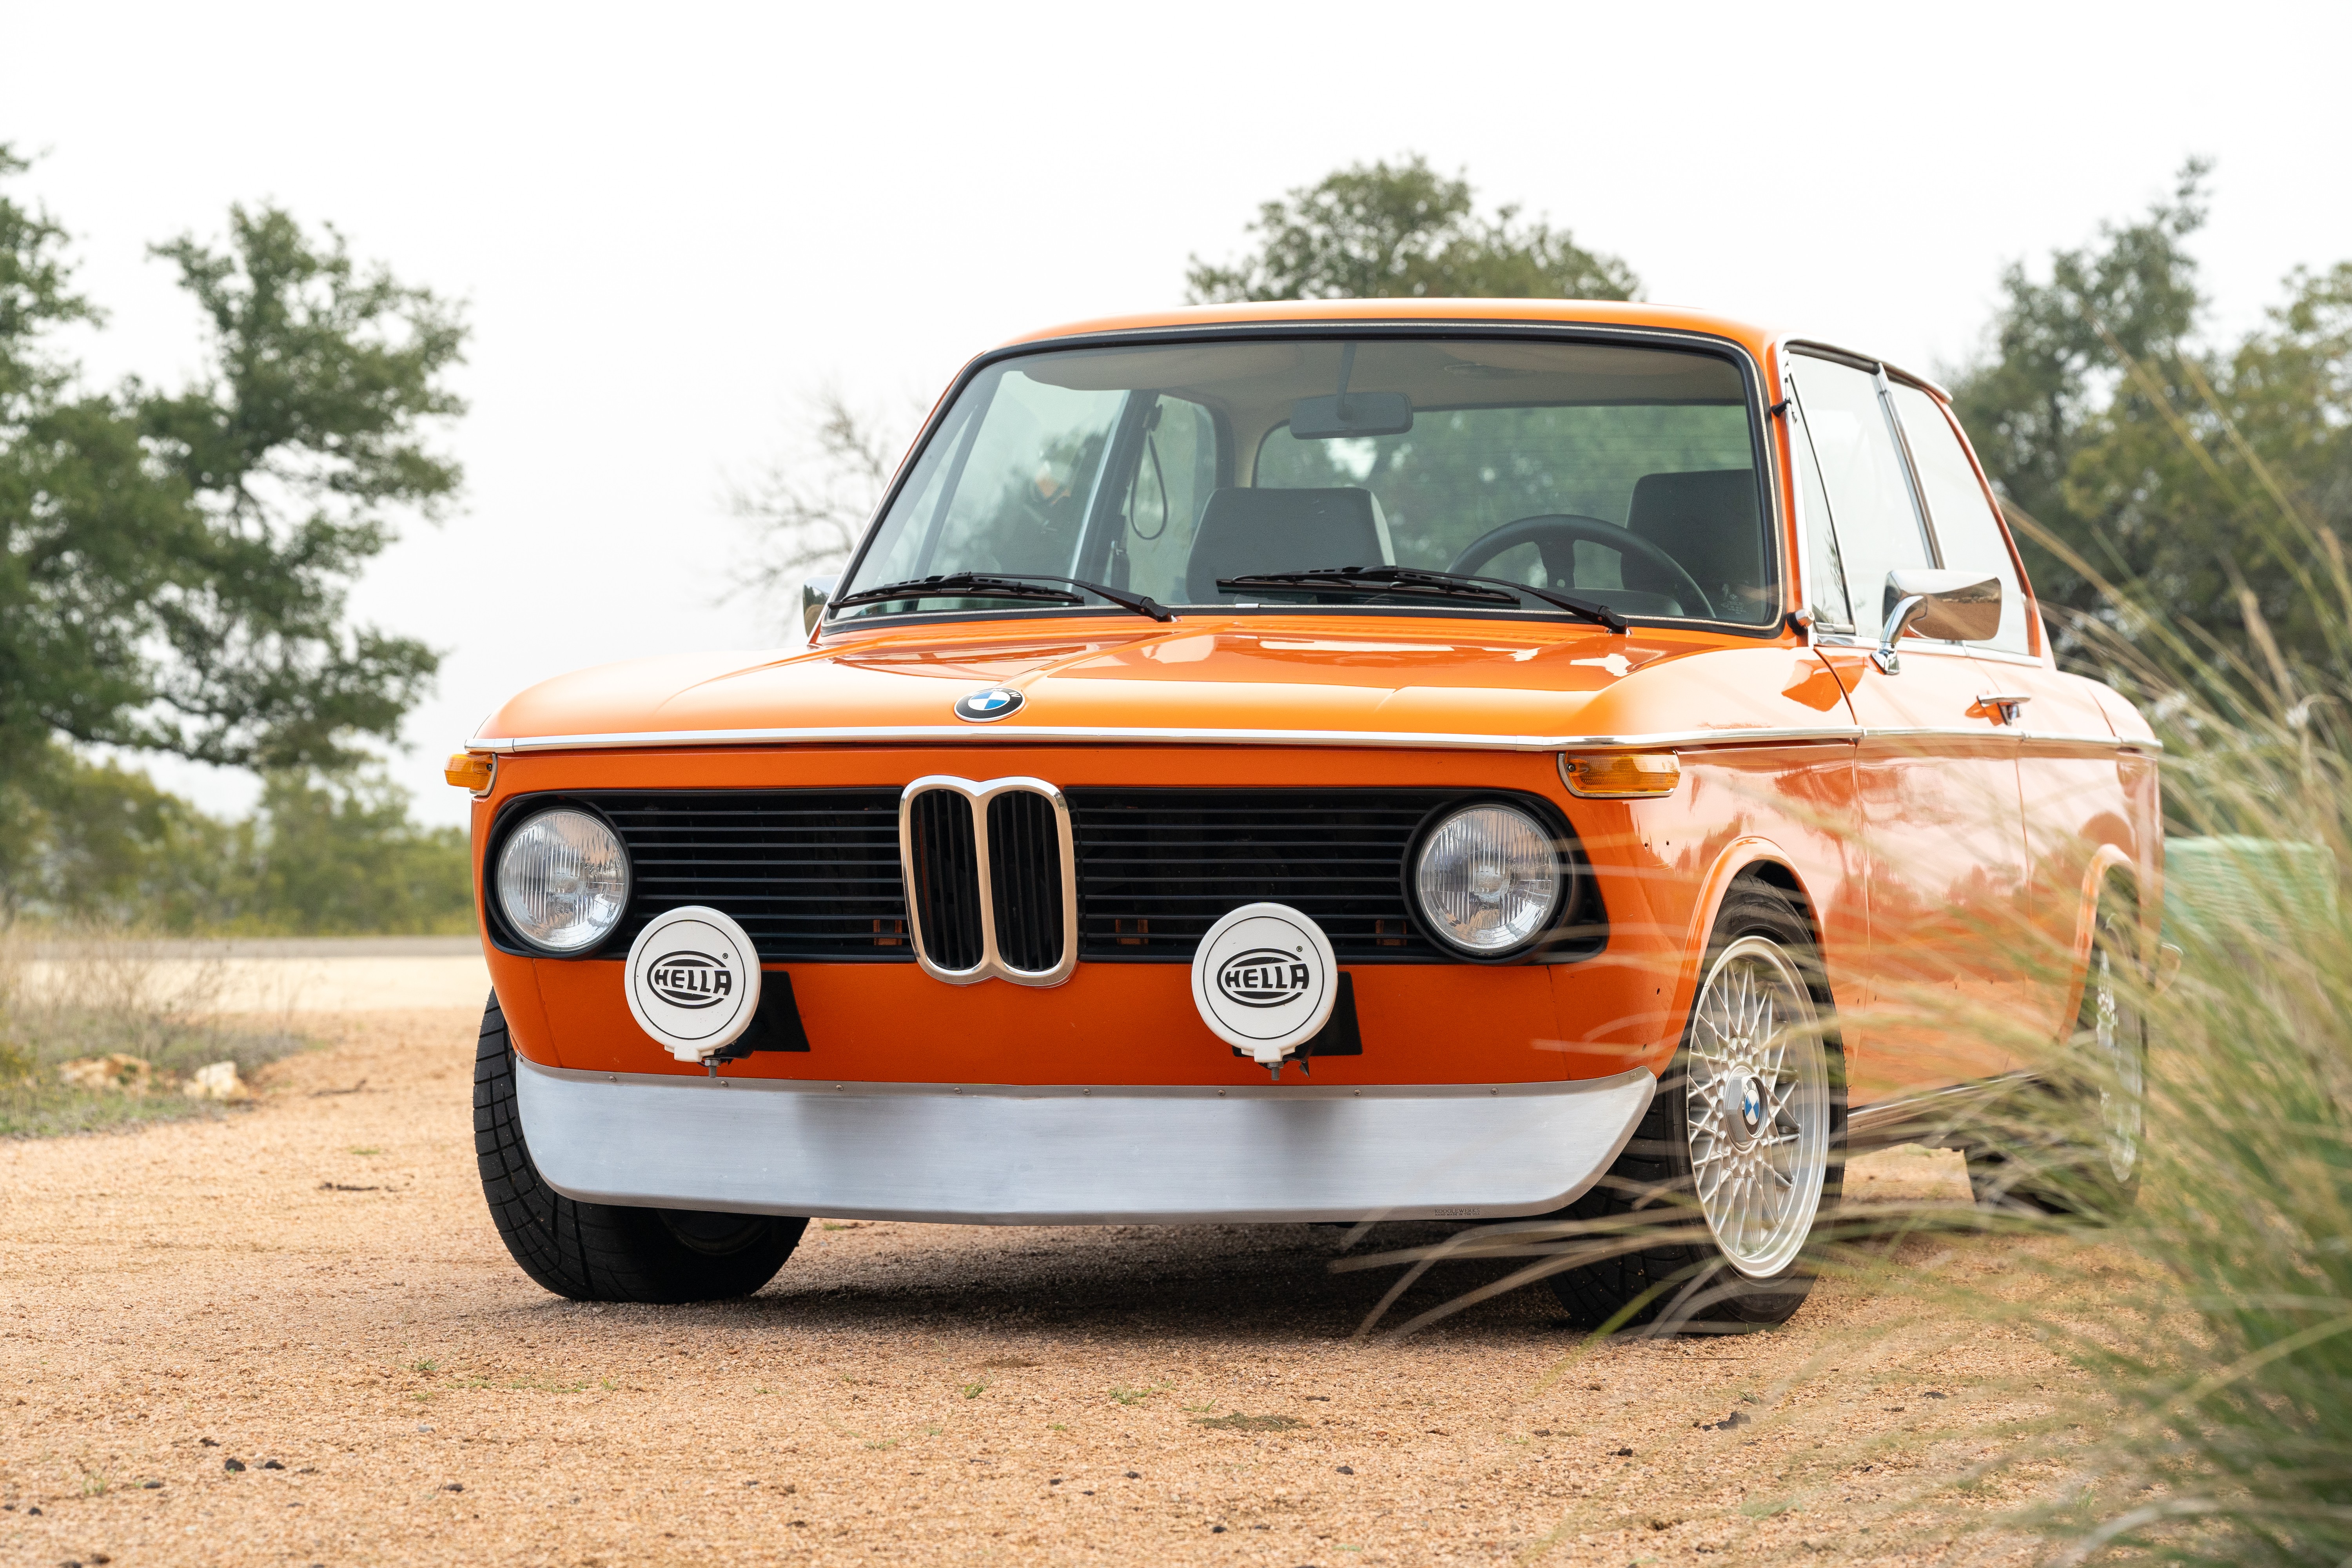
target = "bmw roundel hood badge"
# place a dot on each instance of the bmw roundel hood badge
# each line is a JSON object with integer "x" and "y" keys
{"x": 994, "y": 703}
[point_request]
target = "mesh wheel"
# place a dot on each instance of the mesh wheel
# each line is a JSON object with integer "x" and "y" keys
{"x": 1741, "y": 1149}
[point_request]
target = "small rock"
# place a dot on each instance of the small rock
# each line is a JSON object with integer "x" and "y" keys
{"x": 1347, "y": 1469}
{"x": 422, "y": 1426}
{"x": 1624, "y": 1453}
{"x": 1134, "y": 1475}
{"x": 454, "y": 1487}
{"x": 1543, "y": 1431}
{"x": 1055, "y": 1482}
{"x": 234, "y": 1466}
{"x": 207, "y": 1443}
{"x": 150, "y": 1486}
{"x": 131, "y": 1075}
{"x": 33, "y": 1510}
{"x": 790, "y": 1488}
{"x": 217, "y": 1081}
{"x": 1216, "y": 1529}
{"x": 750, "y": 1483}
{"x": 1933, "y": 1393}
{"x": 271, "y": 1464}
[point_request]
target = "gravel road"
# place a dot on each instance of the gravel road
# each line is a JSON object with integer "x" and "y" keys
{"x": 311, "y": 1290}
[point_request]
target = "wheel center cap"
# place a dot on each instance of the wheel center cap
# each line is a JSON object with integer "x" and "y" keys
{"x": 1752, "y": 1102}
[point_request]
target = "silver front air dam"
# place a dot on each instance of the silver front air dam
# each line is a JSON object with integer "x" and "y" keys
{"x": 1103, "y": 1155}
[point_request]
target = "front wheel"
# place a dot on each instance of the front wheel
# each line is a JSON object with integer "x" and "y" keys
{"x": 1740, "y": 1150}
{"x": 606, "y": 1252}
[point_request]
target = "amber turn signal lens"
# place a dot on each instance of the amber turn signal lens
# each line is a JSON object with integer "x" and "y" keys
{"x": 1621, "y": 775}
{"x": 471, "y": 771}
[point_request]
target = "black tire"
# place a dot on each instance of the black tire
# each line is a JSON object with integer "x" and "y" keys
{"x": 607, "y": 1252}
{"x": 1680, "y": 1283}
{"x": 2072, "y": 1146}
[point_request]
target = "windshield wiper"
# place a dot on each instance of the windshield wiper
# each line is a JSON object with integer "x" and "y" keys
{"x": 1423, "y": 583}
{"x": 1004, "y": 586}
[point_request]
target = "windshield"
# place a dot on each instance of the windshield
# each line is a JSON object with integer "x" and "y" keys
{"x": 1189, "y": 473}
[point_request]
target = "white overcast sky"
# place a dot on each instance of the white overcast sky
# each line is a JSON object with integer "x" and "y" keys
{"x": 672, "y": 224}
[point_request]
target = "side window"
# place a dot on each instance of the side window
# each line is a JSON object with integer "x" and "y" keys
{"x": 1958, "y": 509}
{"x": 1871, "y": 508}
{"x": 1174, "y": 473}
{"x": 1825, "y": 595}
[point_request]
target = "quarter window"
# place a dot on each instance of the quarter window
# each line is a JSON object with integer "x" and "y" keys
{"x": 1826, "y": 595}
{"x": 1967, "y": 530}
{"x": 1876, "y": 521}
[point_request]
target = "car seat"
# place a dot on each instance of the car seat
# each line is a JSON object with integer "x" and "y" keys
{"x": 1245, "y": 530}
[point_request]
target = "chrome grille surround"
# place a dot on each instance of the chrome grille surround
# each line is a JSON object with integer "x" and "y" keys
{"x": 915, "y": 851}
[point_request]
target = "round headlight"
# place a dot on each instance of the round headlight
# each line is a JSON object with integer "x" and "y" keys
{"x": 563, "y": 880}
{"x": 1488, "y": 880}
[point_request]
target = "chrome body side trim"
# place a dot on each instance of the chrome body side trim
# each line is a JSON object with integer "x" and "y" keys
{"x": 992, "y": 964}
{"x": 1934, "y": 1118}
{"x": 1124, "y": 736}
{"x": 1108, "y": 1154}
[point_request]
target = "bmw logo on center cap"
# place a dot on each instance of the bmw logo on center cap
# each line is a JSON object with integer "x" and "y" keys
{"x": 996, "y": 703}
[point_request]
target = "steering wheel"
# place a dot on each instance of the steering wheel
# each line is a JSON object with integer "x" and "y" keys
{"x": 1555, "y": 535}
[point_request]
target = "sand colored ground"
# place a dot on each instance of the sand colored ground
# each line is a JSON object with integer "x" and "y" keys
{"x": 314, "y": 1284}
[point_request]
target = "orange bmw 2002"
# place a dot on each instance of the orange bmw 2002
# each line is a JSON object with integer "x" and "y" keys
{"x": 1350, "y": 761}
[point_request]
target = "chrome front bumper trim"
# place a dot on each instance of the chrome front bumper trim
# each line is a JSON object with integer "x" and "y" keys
{"x": 992, "y": 1154}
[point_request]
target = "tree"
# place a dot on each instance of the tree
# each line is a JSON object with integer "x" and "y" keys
{"x": 1374, "y": 232}
{"x": 2211, "y": 483}
{"x": 95, "y": 842}
{"x": 175, "y": 566}
{"x": 806, "y": 512}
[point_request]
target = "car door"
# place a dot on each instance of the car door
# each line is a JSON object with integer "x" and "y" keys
{"x": 2067, "y": 766}
{"x": 1936, "y": 768}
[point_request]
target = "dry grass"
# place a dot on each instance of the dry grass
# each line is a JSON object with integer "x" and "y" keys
{"x": 98, "y": 994}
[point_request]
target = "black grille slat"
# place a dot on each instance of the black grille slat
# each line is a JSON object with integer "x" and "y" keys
{"x": 1025, "y": 856}
{"x": 810, "y": 875}
{"x": 1158, "y": 867}
{"x": 947, "y": 877}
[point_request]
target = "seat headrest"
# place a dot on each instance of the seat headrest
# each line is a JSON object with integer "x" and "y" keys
{"x": 1705, "y": 520}
{"x": 1245, "y": 530}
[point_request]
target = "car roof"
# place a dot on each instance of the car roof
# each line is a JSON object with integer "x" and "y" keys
{"x": 1592, "y": 313}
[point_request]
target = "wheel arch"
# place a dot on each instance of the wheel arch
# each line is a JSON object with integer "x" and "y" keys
{"x": 1751, "y": 859}
{"x": 2111, "y": 869}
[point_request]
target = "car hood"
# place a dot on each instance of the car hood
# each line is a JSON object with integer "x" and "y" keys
{"x": 1251, "y": 679}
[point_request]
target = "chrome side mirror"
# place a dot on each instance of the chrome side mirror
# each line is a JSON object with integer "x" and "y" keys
{"x": 1953, "y": 607}
{"x": 816, "y": 593}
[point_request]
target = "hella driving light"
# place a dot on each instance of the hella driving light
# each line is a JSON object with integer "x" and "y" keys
{"x": 563, "y": 880}
{"x": 1488, "y": 880}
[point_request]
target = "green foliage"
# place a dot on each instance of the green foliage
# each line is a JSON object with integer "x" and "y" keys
{"x": 173, "y": 565}
{"x": 85, "y": 843}
{"x": 1374, "y": 232}
{"x": 2208, "y": 485}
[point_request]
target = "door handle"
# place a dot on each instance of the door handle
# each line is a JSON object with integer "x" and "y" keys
{"x": 2007, "y": 705}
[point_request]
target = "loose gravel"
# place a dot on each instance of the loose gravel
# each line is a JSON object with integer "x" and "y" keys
{"x": 292, "y": 1337}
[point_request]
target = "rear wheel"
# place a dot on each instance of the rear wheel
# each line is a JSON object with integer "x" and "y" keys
{"x": 606, "y": 1252}
{"x": 2077, "y": 1147}
{"x": 1740, "y": 1149}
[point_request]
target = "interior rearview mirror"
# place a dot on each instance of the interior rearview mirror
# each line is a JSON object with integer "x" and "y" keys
{"x": 816, "y": 593}
{"x": 1951, "y": 606}
{"x": 1350, "y": 414}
